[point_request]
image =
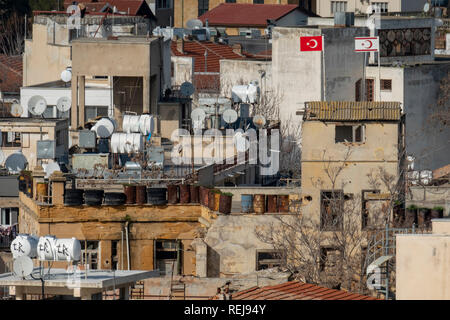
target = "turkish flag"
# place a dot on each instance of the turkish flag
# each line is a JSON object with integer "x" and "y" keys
{"x": 311, "y": 43}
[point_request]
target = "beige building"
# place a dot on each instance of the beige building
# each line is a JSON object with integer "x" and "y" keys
{"x": 422, "y": 264}
{"x": 22, "y": 135}
{"x": 327, "y": 8}
{"x": 343, "y": 143}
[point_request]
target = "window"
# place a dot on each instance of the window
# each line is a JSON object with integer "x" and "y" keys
{"x": 11, "y": 139}
{"x": 100, "y": 77}
{"x": 114, "y": 254}
{"x": 329, "y": 258}
{"x": 266, "y": 259}
{"x": 338, "y": 6}
{"x": 258, "y": 1}
{"x": 89, "y": 253}
{"x": 349, "y": 133}
{"x": 369, "y": 90}
{"x": 331, "y": 210}
{"x": 9, "y": 216}
{"x": 91, "y": 112}
{"x": 163, "y": 4}
{"x": 230, "y": 1}
{"x": 168, "y": 256}
{"x": 371, "y": 209}
{"x": 203, "y": 6}
{"x": 379, "y": 7}
{"x": 386, "y": 84}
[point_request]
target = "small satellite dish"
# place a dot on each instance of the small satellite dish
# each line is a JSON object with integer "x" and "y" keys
{"x": 198, "y": 114}
{"x": 426, "y": 7}
{"x": 187, "y": 89}
{"x": 16, "y": 162}
{"x": 16, "y": 110}
{"x": 194, "y": 24}
{"x": 50, "y": 168}
{"x": 23, "y": 266}
{"x": 37, "y": 105}
{"x": 230, "y": 116}
{"x": 63, "y": 104}
{"x": 66, "y": 75}
{"x": 259, "y": 121}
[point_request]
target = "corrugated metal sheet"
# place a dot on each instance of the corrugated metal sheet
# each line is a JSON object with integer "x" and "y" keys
{"x": 295, "y": 290}
{"x": 352, "y": 110}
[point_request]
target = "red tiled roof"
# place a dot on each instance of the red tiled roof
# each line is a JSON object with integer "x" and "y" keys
{"x": 240, "y": 14}
{"x": 196, "y": 49}
{"x": 441, "y": 172}
{"x": 131, "y": 6}
{"x": 295, "y": 290}
{"x": 10, "y": 73}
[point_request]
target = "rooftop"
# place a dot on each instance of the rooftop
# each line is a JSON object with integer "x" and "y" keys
{"x": 131, "y": 7}
{"x": 295, "y": 290}
{"x": 240, "y": 14}
{"x": 118, "y": 40}
{"x": 10, "y": 73}
{"x": 29, "y": 120}
{"x": 197, "y": 49}
{"x": 352, "y": 111}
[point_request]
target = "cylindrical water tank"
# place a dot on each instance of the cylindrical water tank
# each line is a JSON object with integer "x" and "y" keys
{"x": 24, "y": 245}
{"x": 146, "y": 124}
{"x": 105, "y": 127}
{"x": 52, "y": 249}
{"x": 115, "y": 142}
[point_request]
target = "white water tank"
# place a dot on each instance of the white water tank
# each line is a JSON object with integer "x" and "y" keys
{"x": 246, "y": 93}
{"x": 24, "y": 245}
{"x": 50, "y": 248}
{"x": 122, "y": 142}
{"x": 143, "y": 124}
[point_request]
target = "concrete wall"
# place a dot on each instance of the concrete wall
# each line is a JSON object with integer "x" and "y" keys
{"x": 236, "y": 72}
{"x": 425, "y": 139}
{"x": 43, "y": 61}
{"x": 320, "y": 152}
{"x": 299, "y": 74}
{"x": 183, "y": 70}
{"x": 430, "y": 197}
{"x": 422, "y": 265}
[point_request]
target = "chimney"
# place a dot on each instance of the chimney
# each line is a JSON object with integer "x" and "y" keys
{"x": 237, "y": 48}
{"x": 58, "y": 182}
{"x": 180, "y": 45}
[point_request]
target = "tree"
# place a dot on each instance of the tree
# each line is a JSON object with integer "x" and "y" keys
{"x": 46, "y": 5}
{"x": 12, "y": 35}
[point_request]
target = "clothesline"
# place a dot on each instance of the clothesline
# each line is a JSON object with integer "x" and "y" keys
{"x": 8, "y": 231}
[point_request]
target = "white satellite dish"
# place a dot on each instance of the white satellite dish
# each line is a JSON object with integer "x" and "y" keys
{"x": 426, "y": 7}
{"x": 66, "y": 75}
{"x": 16, "y": 110}
{"x": 194, "y": 24}
{"x": 104, "y": 127}
{"x": 187, "y": 89}
{"x": 23, "y": 266}
{"x": 230, "y": 116}
{"x": 50, "y": 168}
{"x": 259, "y": 121}
{"x": 37, "y": 105}
{"x": 198, "y": 115}
{"x": 63, "y": 104}
{"x": 16, "y": 162}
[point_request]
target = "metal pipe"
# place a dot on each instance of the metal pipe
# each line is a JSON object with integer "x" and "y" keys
{"x": 128, "y": 245}
{"x": 121, "y": 252}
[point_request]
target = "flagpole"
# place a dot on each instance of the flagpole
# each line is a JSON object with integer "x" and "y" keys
{"x": 323, "y": 70}
{"x": 363, "y": 84}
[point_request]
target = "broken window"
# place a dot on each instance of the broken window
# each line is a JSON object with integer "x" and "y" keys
{"x": 329, "y": 258}
{"x": 11, "y": 139}
{"x": 349, "y": 133}
{"x": 168, "y": 256}
{"x": 372, "y": 212}
{"x": 332, "y": 205}
{"x": 266, "y": 259}
{"x": 114, "y": 254}
{"x": 89, "y": 253}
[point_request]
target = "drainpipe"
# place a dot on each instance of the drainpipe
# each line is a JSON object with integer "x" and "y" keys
{"x": 128, "y": 244}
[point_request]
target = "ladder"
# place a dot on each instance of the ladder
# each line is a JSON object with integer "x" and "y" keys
{"x": 177, "y": 287}
{"x": 380, "y": 258}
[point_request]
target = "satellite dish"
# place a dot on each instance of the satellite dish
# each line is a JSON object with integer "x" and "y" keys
{"x": 23, "y": 266}
{"x": 194, "y": 24}
{"x": 369, "y": 9}
{"x": 426, "y": 7}
{"x": 187, "y": 89}
{"x": 37, "y": 105}
{"x": 16, "y": 110}
{"x": 104, "y": 127}
{"x": 198, "y": 114}
{"x": 66, "y": 75}
{"x": 259, "y": 121}
{"x": 16, "y": 162}
{"x": 230, "y": 116}
{"x": 63, "y": 104}
{"x": 50, "y": 168}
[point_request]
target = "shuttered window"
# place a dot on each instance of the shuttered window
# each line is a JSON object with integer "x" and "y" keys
{"x": 386, "y": 85}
